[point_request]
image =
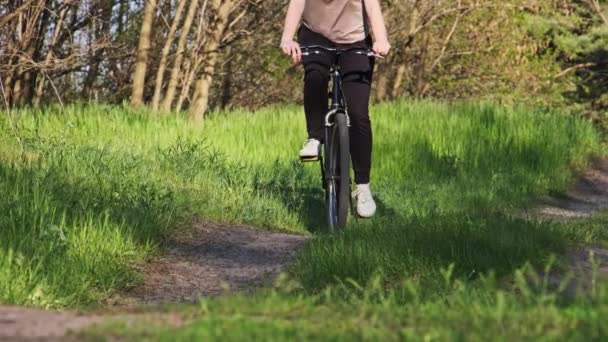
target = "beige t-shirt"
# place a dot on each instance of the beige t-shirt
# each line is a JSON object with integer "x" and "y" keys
{"x": 341, "y": 21}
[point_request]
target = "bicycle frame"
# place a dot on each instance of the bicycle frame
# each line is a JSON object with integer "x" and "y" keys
{"x": 338, "y": 105}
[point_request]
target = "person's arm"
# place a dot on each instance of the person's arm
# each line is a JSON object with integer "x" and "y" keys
{"x": 292, "y": 20}
{"x": 374, "y": 13}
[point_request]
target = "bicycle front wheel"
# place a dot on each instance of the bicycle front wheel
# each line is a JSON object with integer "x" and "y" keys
{"x": 338, "y": 173}
{"x": 343, "y": 170}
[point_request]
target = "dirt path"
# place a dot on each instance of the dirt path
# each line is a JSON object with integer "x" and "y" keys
{"x": 583, "y": 264}
{"x": 206, "y": 261}
{"x": 23, "y": 324}
{"x": 210, "y": 260}
{"x": 588, "y": 195}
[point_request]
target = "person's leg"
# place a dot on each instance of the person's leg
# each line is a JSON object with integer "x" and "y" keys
{"x": 357, "y": 72}
{"x": 316, "y": 79}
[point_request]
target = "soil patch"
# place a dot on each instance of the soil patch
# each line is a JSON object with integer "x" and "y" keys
{"x": 586, "y": 268}
{"x": 24, "y": 324}
{"x": 588, "y": 195}
{"x": 585, "y": 264}
{"x": 211, "y": 259}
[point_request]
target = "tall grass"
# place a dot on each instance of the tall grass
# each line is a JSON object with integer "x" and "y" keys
{"x": 89, "y": 191}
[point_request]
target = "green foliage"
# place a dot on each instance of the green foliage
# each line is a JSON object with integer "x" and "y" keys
{"x": 574, "y": 35}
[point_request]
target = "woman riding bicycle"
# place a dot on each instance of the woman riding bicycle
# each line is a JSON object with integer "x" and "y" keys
{"x": 342, "y": 24}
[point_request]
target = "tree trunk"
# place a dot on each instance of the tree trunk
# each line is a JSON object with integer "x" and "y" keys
{"x": 28, "y": 30}
{"x": 194, "y": 60}
{"x": 173, "y": 79}
{"x": 211, "y": 53}
{"x": 191, "y": 68}
{"x": 8, "y": 82}
{"x": 49, "y": 57}
{"x": 164, "y": 55}
{"x": 381, "y": 80}
{"x": 420, "y": 69}
{"x": 143, "y": 50}
{"x": 400, "y": 75}
{"x": 102, "y": 32}
{"x": 227, "y": 81}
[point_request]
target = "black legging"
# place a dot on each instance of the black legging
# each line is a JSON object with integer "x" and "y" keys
{"x": 357, "y": 72}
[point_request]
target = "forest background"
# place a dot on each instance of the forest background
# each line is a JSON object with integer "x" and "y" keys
{"x": 202, "y": 55}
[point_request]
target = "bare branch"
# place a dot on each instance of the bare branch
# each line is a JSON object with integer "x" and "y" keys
{"x": 574, "y": 68}
{"x": 5, "y": 19}
{"x": 595, "y": 6}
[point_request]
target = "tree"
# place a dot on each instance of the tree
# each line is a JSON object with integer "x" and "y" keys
{"x": 215, "y": 33}
{"x": 181, "y": 48}
{"x": 143, "y": 50}
{"x": 102, "y": 14}
{"x": 165, "y": 54}
{"x": 575, "y": 35}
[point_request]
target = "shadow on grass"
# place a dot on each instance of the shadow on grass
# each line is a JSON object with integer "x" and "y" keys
{"x": 298, "y": 187}
{"x": 420, "y": 248}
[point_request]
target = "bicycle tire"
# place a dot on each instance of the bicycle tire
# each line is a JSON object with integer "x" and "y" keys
{"x": 331, "y": 185}
{"x": 343, "y": 169}
{"x": 337, "y": 156}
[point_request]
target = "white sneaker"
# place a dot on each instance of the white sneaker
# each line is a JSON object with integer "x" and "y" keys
{"x": 366, "y": 207}
{"x": 310, "y": 150}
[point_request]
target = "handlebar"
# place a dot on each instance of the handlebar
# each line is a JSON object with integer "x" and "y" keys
{"x": 309, "y": 50}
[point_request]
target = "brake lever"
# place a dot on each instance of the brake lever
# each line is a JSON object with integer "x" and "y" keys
{"x": 371, "y": 54}
{"x": 375, "y": 55}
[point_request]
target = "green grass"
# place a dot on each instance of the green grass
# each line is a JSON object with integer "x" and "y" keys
{"x": 483, "y": 312}
{"x": 91, "y": 191}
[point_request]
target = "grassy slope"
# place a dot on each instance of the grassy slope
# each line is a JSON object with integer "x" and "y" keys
{"x": 92, "y": 190}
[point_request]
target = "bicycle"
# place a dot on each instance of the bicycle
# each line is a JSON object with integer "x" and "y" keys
{"x": 335, "y": 176}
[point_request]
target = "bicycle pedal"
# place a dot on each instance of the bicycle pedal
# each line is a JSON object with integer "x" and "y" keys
{"x": 309, "y": 159}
